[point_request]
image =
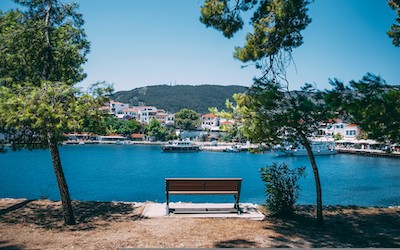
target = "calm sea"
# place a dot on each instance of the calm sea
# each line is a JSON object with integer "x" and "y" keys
{"x": 136, "y": 173}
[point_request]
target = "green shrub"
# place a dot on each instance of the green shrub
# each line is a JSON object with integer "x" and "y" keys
{"x": 281, "y": 188}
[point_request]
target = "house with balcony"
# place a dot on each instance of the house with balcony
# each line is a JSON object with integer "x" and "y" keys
{"x": 210, "y": 122}
{"x": 170, "y": 120}
{"x": 344, "y": 129}
{"x": 160, "y": 116}
{"x": 146, "y": 114}
{"x": 116, "y": 108}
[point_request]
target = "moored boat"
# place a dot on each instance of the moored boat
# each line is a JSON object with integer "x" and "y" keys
{"x": 232, "y": 149}
{"x": 112, "y": 139}
{"x": 318, "y": 148}
{"x": 180, "y": 146}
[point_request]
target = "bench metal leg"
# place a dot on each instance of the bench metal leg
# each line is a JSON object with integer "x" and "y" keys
{"x": 236, "y": 206}
{"x": 167, "y": 204}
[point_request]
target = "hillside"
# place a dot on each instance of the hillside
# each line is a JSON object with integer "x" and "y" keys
{"x": 174, "y": 98}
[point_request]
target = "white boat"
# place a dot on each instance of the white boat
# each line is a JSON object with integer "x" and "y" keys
{"x": 180, "y": 146}
{"x": 318, "y": 148}
{"x": 112, "y": 139}
{"x": 232, "y": 149}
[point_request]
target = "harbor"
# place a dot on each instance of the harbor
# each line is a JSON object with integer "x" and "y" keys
{"x": 137, "y": 173}
{"x": 341, "y": 147}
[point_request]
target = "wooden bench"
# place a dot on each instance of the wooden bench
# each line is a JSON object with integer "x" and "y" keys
{"x": 197, "y": 186}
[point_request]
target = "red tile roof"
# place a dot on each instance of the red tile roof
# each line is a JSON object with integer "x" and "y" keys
{"x": 137, "y": 136}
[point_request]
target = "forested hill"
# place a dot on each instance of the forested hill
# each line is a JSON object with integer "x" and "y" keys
{"x": 174, "y": 98}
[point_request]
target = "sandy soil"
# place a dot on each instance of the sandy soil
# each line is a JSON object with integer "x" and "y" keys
{"x": 107, "y": 225}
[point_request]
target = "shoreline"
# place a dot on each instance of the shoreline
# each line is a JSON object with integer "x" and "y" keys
{"x": 15, "y": 200}
{"x": 243, "y": 147}
{"x": 226, "y": 146}
{"x": 205, "y": 146}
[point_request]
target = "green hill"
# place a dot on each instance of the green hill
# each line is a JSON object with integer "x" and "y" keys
{"x": 174, "y": 98}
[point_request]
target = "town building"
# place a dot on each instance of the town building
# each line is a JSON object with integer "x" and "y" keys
{"x": 131, "y": 113}
{"x": 116, "y": 108}
{"x": 160, "y": 116}
{"x": 344, "y": 129}
{"x": 143, "y": 114}
{"x": 146, "y": 114}
{"x": 137, "y": 137}
{"x": 170, "y": 119}
{"x": 210, "y": 122}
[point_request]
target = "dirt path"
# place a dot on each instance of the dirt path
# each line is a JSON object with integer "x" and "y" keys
{"x": 107, "y": 225}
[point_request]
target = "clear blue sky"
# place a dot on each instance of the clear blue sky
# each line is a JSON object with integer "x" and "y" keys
{"x": 138, "y": 43}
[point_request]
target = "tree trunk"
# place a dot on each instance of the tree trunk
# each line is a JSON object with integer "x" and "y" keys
{"x": 68, "y": 213}
{"x": 320, "y": 218}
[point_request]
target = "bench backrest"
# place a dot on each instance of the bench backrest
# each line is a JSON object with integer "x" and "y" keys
{"x": 203, "y": 184}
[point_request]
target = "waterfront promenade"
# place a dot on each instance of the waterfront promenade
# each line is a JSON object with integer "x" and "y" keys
{"x": 206, "y": 146}
{"x": 368, "y": 152}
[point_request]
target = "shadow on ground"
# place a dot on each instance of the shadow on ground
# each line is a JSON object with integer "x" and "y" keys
{"x": 88, "y": 214}
{"x": 378, "y": 229}
{"x": 6, "y": 245}
{"x": 237, "y": 243}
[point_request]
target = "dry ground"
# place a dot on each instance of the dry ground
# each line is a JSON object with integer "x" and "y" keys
{"x": 106, "y": 225}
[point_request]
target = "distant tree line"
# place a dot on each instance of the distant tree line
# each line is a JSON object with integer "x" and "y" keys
{"x": 174, "y": 98}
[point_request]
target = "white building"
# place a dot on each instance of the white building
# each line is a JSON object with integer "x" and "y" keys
{"x": 143, "y": 114}
{"x": 344, "y": 129}
{"x": 147, "y": 113}
{"x": 351, "y": 131}
{"x": 170, "y": 119}
{"x": 116, "y": 108}
{"x": 209, "y": 122}
{"x": 131, "y": 113}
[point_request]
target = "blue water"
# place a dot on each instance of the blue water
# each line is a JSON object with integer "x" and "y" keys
{"x": 136, "y": 173}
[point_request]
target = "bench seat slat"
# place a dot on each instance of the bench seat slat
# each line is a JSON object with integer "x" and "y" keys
{"x": 215, "y": 188}
{"x": 203, "y": 192}
{"x": 203, "y": 179}
{"x": 205, "y": 185}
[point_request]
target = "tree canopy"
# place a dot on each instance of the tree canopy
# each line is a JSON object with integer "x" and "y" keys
{"x": 125, "y": 127}
{"x": 156, "y": 130}
{"x": 47, "y": 42}
{"x": 187, "y": 119}
{"x": 277, "y": 26}
{"x": 30, "y": 115}
{"x": 394, "y": 31}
